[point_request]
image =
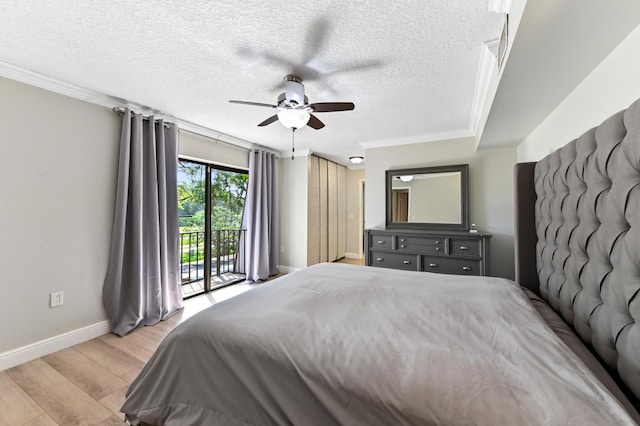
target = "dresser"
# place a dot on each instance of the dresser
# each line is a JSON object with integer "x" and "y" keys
{"x": 445, "y": 252}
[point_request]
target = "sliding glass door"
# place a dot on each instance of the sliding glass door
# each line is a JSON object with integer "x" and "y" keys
{"x": 210, "y": 203}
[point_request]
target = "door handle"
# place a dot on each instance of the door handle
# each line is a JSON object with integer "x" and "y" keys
{"x": 433, "y": 265}
{"x": 466, "y": 268}
{"x": 407, "y": 262}
{"x": 379, "y": 259}
{"x": 380, "y": 242}
{"x": 402, "y": 246}
{"x": 464, "y": 248}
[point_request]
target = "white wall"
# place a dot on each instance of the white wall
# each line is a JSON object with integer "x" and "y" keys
{"x": 491, "y": 188}
{"x": 612, "y": 86}
{"x": 354, "y": 238}
{"x": 58, "y": 174}
{"x": 201, "y": 148}
{"x": 57, "y": 190}
{"x": 293, "y": 193}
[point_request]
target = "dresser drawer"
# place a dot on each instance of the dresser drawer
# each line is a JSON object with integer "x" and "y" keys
{"x": 382, "y": 259}
{"x": 412, "y": 247}
{"x": 444, "y": 265}
{"x": 464, "y": 247}
{"x": 445, "y": 252}
{"x": 420, "y": 244}
{"x": 421, "y": 240}
{"x": 381, "y": 241}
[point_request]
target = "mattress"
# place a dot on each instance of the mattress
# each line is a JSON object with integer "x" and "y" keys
{"x": 338, "y": 344}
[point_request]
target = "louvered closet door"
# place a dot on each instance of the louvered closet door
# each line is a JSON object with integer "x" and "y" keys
{"x": 323, "y": 170}
{"x": 332, "y": 210}
{"x": 342, "y": 211}
{"x": 313, "y": 212}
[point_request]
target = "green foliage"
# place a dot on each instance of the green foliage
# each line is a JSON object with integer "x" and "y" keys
{"x": 228, "y": 190}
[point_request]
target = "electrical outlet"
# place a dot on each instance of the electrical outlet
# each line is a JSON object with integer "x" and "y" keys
{"x": 56, "y": 299}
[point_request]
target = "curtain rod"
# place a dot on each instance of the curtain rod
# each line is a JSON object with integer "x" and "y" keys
{"x": 202, "y": 131}
{"x": 120, "y": 111}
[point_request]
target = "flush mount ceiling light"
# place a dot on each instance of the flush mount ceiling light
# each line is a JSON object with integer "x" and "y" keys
{"x": 356, "y": 159}
{"x": 406, "y": 178}
{"x": 293, "y": 118}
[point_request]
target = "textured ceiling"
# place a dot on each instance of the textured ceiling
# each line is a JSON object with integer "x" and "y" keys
{"x": 410, "y": 67}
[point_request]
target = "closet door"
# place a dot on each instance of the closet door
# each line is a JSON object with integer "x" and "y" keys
{"x": 342, "y": 211}
{"x": 323, "y": 171}
{"x": 313, "y": 212}
{"x": 332, "y": 211}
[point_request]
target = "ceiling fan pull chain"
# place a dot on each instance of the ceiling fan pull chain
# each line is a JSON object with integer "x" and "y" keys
{"x": 293, "y": 147}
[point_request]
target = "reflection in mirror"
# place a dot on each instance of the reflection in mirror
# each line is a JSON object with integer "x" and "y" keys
{"x": 428, "y": 198}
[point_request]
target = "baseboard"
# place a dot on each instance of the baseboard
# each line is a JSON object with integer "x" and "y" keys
{"x": 352, "y": 255}
{"x": 52, "y": 344}
{"x": 287, "y": 269}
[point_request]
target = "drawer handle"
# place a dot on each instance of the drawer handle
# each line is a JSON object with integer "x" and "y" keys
{"x": 407, "y": 262}
{"x": 464, "y": 248}
{"x": 381, "y": 242}
{"x": 402, "y": 246}
{"x": 379, "y": 259}
{"x": 466, "y": 268}
{"x": 433, "y": 265}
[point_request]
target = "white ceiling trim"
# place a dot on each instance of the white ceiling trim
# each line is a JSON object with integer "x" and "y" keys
{"x": 432, "y": 137}
{"x": 488, "y": 65}
{"x": 500, "y": 6}
{"x": 53, "y": 85}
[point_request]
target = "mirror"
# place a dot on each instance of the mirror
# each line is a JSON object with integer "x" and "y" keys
{"x": 428, "y": 198}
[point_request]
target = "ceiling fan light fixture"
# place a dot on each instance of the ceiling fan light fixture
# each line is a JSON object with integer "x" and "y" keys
{"x": 293, "y": 118}
{"x": 407, "y": 178}
{"x": 356, "y": 159}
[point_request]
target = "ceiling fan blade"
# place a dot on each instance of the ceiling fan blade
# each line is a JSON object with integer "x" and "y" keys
{"x": 315, "y": 38}
{"x": 332, "y": 106}
{"x": 253, "y": 103}
{"x": 314, "y": 123}
{"x": 269, "y": 120}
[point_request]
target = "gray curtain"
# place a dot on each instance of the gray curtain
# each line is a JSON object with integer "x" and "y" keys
{"x": 260, "y": 217}
{"x": 142, "y": 284}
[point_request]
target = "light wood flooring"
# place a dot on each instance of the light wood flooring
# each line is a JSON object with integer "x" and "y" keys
{"x": 86, "y": 383}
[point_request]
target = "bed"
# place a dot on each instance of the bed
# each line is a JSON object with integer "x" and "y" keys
{"x": 342, "y": 344}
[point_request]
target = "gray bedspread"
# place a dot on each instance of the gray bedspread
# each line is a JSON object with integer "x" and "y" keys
{"x": 338, "y": 344}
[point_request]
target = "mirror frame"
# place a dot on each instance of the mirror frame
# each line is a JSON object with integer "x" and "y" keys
{"x": 464, "y": 198}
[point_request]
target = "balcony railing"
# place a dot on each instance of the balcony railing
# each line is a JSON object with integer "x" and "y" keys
{"x": 227, "y": 254}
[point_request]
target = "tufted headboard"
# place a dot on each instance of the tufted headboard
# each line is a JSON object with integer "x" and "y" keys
{"x": 586, "y": 229}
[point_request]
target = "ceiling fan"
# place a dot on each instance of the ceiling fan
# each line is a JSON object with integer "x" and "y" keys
{"x": 294, "y": 109}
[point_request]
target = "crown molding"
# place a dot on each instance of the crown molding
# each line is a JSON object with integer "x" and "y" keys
{"x": 493, "y": 46}
{"x": 488, "y": 65}
{"x": 53, "y": 85}
{"x": 500, "y": 6}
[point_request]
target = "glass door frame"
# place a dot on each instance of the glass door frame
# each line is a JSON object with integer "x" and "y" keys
{"x": 208, "y": 209}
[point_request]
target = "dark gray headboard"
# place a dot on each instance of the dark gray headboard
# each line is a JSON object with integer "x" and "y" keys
{"x": 587, "y": 233}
